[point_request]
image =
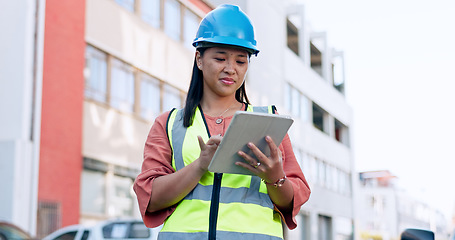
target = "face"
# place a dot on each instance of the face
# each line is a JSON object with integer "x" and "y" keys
{"x": 224, "y": 70}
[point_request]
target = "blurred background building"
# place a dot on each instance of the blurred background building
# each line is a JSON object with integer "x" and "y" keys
{"x": 384, "y": 210}
{"x": 85, "y": 80}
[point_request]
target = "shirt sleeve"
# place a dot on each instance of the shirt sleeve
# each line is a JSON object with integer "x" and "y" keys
{"x": 157, "y": 162}
{"x": 295, "y": 175}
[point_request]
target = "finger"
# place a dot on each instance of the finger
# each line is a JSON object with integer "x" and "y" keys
{"x": 280, "y": 155}
{"x": 273, "y": 148}
{"x": 258, "y": 164}
{"x": 201, "y": 143}
{"x": 258, "y": 153}
{"x": 248, "y": 166}
{"x": 215, "y": 140}
{"x": 248, "y": 159}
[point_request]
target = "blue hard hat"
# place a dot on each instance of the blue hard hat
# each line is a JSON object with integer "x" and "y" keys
{"x": 228, "y": 25}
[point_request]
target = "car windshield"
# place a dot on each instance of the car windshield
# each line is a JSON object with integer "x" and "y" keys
{"x": 8, "y": 232}
{"x": 126, "y": 230}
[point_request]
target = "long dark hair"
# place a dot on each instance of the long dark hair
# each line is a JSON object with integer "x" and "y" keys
{"x": 195, "y": 92}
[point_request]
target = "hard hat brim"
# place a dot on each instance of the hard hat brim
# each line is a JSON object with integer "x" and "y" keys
{"x": 208, "y": 44}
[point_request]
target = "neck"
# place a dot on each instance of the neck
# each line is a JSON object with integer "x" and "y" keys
{"x": 216, "y": 107}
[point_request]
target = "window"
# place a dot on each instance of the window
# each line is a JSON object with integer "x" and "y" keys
{"x": 328, "y": 176}
{"x": 335, "y": 172}
{"x": 127, "y": 4}
{"x": 295, "y": 102}
{"x": 150, "y": 97}
{"x": 319, "y": 118}
{"x": 341, "y": 133}
{"x": 338, "y": 72}
{"x": 304, "y": 108}
{"x": 306, "y": 163}
{"x": 122, "y": 86}
{"x": 150, "y": 12}
{"x": 119, "y": 88}
{"x": 95, "y": 74}
{"x": 139, "y": 230}
{"x": 67, "y": 236}
{"x": 344, "y": 183}
{"x": 85, "y": 235}
{"x": 288, "y": 96}
{"x": 313, "y": 168}
{"x": 121, "y": 203}
{"x": 316, "y": 58}
{"x": 48, "y": 218}
{"x": 93, "y": 197}
{"x": 292, "y": 36}
{"x": 324, "y": 227}
{"x": 106, "y": 189}
{"x": 116, "y": 230}
{"x": 126, "y": 230}
{"x": 325, "y": 175}
{"x": 190, "y": 26}
{"x": 321, "y": 173}
{"x": 171, "y": 98}
{"x": 306, "y": 230}
{"x": 172, "y": 19}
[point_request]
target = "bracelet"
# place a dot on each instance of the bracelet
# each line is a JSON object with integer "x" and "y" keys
{"x": 278, "y": 183}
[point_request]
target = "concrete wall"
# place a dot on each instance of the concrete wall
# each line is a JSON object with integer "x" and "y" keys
{"x": 112, "y": 136}
{"x": 20, "y": 92}
{"x": 63, "y": 88}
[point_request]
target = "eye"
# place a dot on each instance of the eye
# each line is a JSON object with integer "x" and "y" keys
{"x": 241, "y": 62}
{"x": 219, "y": 59}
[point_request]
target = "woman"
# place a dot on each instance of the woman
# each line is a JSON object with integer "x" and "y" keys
{"x": 175, "y": 187}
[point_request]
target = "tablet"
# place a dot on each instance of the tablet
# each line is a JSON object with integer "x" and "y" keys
{"x": 248, "y": 127}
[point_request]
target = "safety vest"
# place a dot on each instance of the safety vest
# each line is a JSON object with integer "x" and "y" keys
{"x": 245, "y": 210}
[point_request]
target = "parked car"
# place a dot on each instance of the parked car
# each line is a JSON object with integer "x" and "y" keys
{"x": 417, "y": 234}
{"x": 130, "y": 229}
{"x": 10, "y": 231}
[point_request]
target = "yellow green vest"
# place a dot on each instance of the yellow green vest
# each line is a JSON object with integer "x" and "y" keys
{"x": 245, "y": 209}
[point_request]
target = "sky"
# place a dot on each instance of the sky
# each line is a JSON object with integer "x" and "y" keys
{"x": 400, "y": 83}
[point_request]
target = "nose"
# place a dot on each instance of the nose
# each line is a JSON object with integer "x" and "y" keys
{"x": 230, "y": 67}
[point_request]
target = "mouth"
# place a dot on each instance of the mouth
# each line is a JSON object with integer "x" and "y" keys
{"x": 227, "y": 81}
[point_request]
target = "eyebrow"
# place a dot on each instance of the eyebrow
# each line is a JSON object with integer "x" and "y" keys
{"x": 224, "y": 52}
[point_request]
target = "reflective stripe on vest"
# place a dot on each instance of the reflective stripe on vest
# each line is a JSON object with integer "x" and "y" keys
{"x": 220, "y": 235}
{"x": 245, "y": 209}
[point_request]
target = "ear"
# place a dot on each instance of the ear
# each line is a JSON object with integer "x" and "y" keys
{"x": 198, "y": 60}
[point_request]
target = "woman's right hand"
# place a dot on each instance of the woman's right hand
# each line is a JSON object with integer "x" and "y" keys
{"x": 208, "y": 150}
{"x": 169, "y": 189}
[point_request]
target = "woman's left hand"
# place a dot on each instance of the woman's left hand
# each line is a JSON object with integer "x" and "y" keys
{"x": 270, "y": 169}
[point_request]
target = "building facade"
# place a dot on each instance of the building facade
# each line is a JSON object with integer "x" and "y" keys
{"x": 100, "y": 71}
{"x": 303, "y": 76}
{"x": 82, "y": 84}
{"x": 138, "y": 62}
{"x": 384, "y": 210}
